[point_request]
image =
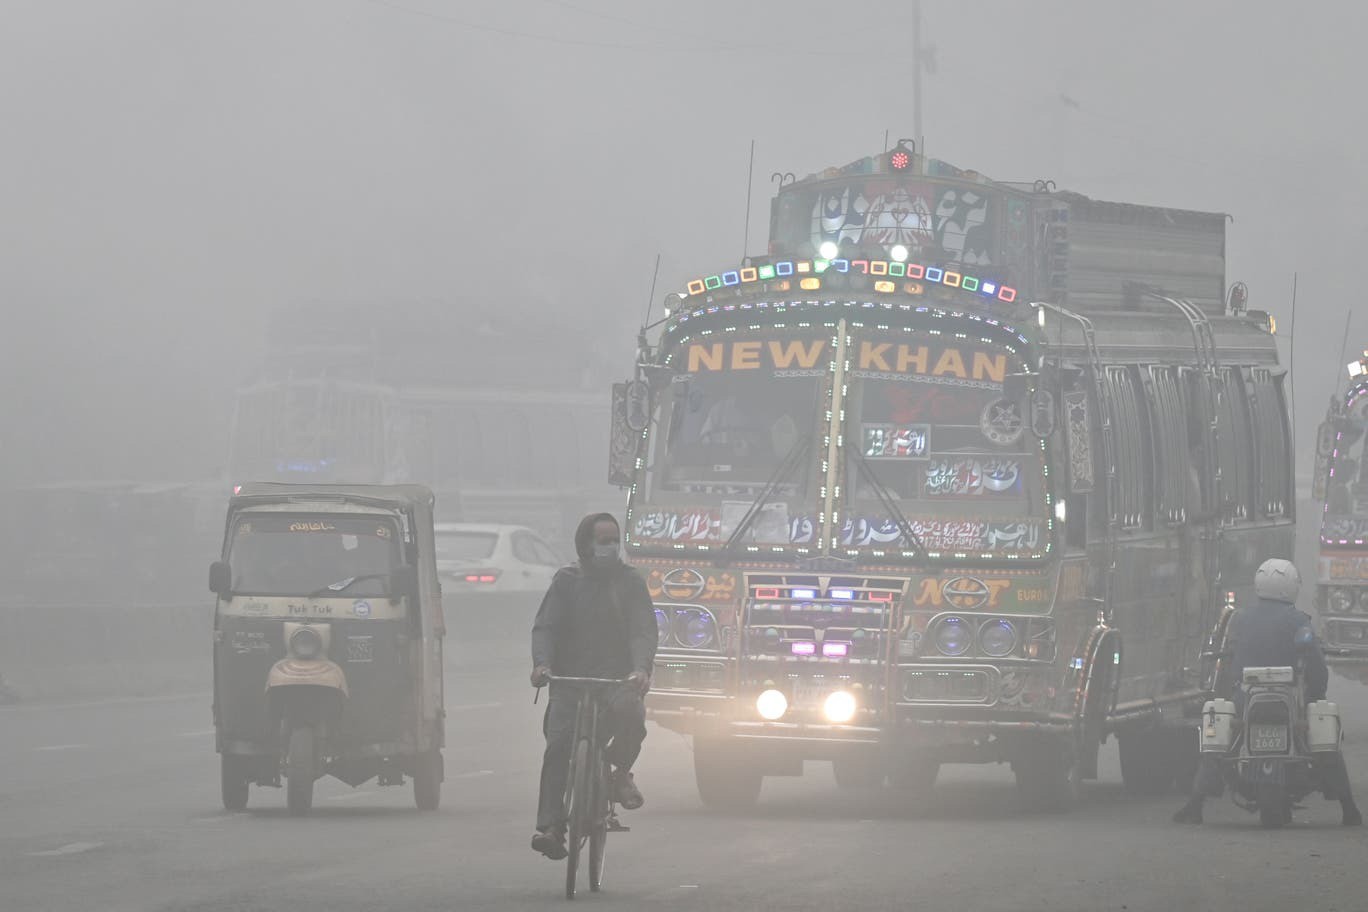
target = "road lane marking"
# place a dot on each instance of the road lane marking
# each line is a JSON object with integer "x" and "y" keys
{"x": 468, "y": 706}
{"x": 62, "y": 747}
{"x": 473, "y": 774}
{"x": 196, "y": 734}
{"x": 74, "y": 848}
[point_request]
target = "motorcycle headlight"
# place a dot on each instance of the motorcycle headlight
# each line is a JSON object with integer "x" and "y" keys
{"x": 695, "y": 628}
{"x": 305, "y": 643}
{"x": 953, "y": 636}
{"x": 997, "y": 638}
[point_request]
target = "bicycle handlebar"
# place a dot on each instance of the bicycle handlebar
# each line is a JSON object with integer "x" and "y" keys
{"x": 573, "y": 680}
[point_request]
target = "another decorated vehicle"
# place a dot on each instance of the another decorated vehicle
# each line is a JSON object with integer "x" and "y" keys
{"x": 961, "y": 471}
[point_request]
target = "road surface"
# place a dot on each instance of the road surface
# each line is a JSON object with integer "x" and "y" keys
{"x": 114, "y": 806}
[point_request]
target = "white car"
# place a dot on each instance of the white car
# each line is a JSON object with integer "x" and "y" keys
{"x": 482, "y": 559}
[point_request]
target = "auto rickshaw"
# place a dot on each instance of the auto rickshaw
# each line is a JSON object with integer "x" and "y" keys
{"x": 328, "y": 641}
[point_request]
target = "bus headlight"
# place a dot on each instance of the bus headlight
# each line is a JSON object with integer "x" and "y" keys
{"x": 1341, "y": 601}
{"x": 694, "y": 628}
{"x": 839, "y": 707}
{"x": 771, "y": 705}
{"x": 953, "y": 636}
{"x": 662, "y": 627}
{"x": 997, "y": 638}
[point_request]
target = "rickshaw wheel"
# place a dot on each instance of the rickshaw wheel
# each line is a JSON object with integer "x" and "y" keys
{"x": 427, "y": 780}
{"x": 299, "y": 771}
{"x": 233, "y": 782}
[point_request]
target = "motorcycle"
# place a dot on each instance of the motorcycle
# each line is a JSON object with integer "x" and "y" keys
{"x": 1277, "y": 749}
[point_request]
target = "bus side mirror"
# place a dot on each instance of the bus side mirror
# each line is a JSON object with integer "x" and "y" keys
{"x": 403, "y": 583}
{"x": 1042, "y": 413}
{"x": 221, "y": 579}
{"x": 637, "y": 406}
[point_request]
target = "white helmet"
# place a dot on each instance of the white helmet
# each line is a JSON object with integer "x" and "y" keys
{"x": 1277, "y": 580}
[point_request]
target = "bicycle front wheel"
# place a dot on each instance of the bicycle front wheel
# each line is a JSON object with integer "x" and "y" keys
{"x": 598, "y": 834}
{"x": 580, "y": 811}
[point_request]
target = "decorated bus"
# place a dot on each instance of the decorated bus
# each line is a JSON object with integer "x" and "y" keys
{"x": 1341, "y": 484}
{"x": 960, "y": 471}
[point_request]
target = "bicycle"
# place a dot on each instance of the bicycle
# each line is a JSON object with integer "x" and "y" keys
{"x": 589, "y": 812}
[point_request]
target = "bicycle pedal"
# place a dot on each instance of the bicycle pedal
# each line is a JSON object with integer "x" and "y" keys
{"x": 615, "y": 826}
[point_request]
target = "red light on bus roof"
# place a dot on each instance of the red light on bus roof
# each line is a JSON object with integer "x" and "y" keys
{"x": 900, "y": 159}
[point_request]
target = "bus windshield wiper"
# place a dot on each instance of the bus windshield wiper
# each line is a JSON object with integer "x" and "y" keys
{"x": 785, "y": 468}
{"x": 889, "y": 504}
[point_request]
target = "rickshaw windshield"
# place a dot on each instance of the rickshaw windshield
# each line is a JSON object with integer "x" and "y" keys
{"x": 342, "y": 556}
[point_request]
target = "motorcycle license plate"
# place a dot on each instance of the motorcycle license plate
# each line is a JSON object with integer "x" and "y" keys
{"x": 1268, "y": 739}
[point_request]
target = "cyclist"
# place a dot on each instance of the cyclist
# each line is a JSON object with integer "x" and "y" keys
{"x": 597, "y": 620}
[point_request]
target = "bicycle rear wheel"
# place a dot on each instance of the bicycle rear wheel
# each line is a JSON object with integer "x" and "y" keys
{"x": 598, "y": 834}
{"x": 580, "y": 811}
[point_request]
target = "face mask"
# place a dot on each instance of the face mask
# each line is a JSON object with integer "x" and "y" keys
{"x": 606, "y": 554}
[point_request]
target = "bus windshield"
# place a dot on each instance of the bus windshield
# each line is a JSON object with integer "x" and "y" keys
{"x": 1346, "y": 494}
{"x": 947, "y": 450}
{"x": 744, "y": 415}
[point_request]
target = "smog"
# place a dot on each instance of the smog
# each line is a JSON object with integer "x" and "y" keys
{"x": 931, "y": 434}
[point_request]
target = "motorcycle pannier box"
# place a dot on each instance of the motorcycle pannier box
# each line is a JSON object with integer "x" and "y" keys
{"x": 1323, "y": 726}
{"x": 1218, "y": 726}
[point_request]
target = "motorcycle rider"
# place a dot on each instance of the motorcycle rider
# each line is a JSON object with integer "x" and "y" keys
{"x": 596, "y": 621}
{"x": 1274, "y": 633}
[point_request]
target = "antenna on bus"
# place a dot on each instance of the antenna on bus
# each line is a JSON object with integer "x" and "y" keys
{"x": 1339, "y": 364}
{"x": 750, "y": 178}
{"x": 642, "y": 344}
{"x": 651, "y": 297}
{"x": 1291, "y": 368}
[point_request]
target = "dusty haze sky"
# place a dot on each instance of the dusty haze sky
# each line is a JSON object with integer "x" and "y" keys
{"x": 172, "y": 170}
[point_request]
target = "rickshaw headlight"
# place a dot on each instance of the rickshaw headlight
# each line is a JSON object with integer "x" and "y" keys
{"x": 305, "y": 643}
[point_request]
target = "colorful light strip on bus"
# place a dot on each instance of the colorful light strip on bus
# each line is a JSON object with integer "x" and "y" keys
{"x": 936, "y": 275}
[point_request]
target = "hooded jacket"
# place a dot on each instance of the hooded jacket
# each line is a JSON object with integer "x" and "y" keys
{"x": 1265, "y": 635}
{"x": 595, "y": 620}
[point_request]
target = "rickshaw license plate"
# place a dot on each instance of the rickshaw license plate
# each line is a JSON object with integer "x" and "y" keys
{"x": 1268, "y": 738}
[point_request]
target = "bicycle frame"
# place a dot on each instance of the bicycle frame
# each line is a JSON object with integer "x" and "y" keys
{"x": 588, "y": 800}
